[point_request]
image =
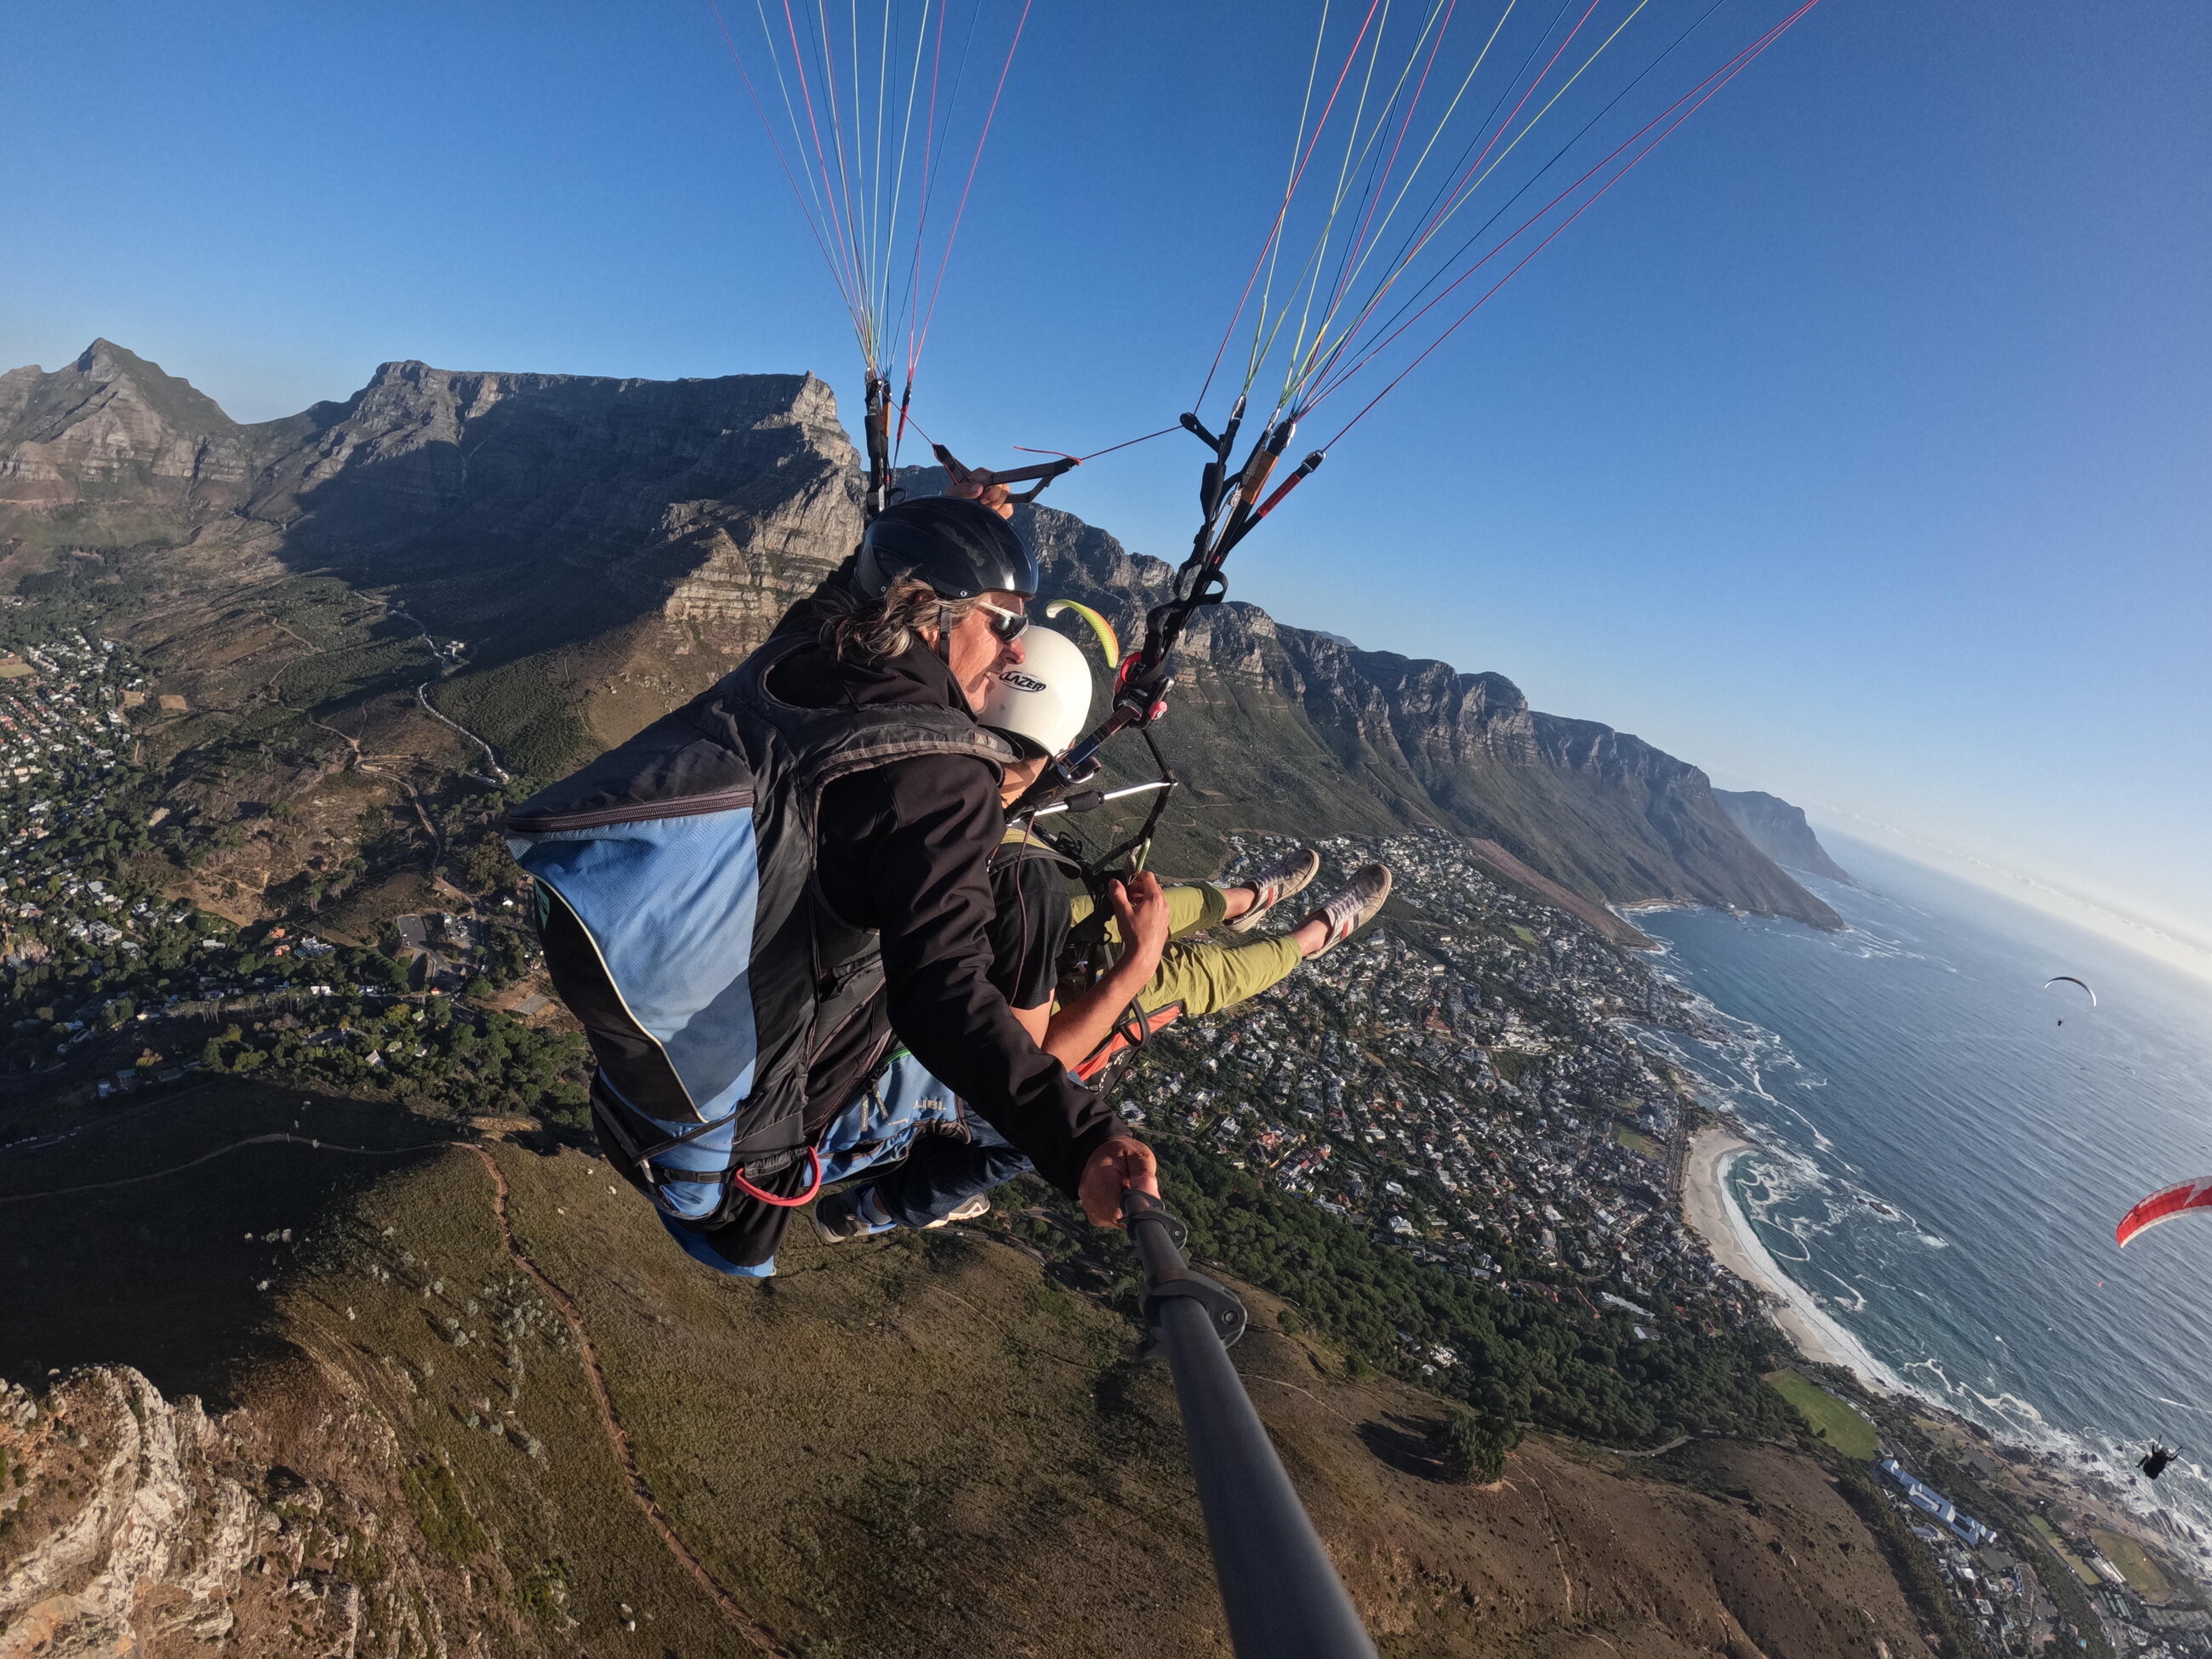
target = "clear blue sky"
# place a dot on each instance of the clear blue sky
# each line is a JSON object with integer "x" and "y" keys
{"x": 1857, "y": 447}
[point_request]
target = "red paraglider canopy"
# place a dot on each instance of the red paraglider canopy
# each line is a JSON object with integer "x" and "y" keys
{"x": 2164, "y": 1205}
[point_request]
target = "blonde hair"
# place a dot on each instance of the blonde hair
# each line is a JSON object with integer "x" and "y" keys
{"x": 873, "y": 630}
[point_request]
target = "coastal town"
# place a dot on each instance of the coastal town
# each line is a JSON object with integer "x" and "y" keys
{"x": 1465, "y": 1081}
{"x": 112, "y": 983}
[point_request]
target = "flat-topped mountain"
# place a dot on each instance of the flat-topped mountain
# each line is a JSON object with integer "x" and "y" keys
{"x": 566, "y": 556}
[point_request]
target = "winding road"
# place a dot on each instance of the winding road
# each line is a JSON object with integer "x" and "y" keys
{"x": 499, "y": 774}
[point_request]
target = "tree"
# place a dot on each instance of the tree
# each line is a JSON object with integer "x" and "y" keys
{"x": 1473, "y": 1448}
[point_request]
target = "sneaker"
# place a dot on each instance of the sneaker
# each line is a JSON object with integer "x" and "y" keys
{"x": 849, "y": 1215}
{"x": 1352, "y": 905}
{"x": 973, "y": 1209}
{"x": 1275, "y": 881}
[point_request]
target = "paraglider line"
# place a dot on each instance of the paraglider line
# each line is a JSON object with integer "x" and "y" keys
{"x": 1459, "y": 196}
{"x": 1345, "y": 269}
{"x": 1275, "y": 230}
{"x": 813, "y": 226}
{"x": 1704, "y": 93}
{"x": 1329, "y": 380}
{"x": 848, "y": 278}
{"x": 1125, "y": 444}
{"x": 933, "y": 154}
{"x": 921, "y": 340}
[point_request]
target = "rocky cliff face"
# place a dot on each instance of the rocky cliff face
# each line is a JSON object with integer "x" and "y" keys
{"x": 686, "y": 494}
{"x": 1334, "y": 738}
{"x": 111, "y": 449}
{"x": 135, "y": 1524}
{"x": 1779, "y": 830}
{"x": 604, "y": 547}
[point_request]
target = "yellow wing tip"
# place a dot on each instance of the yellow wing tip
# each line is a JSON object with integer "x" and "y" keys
{"x": 1108, "y": 641}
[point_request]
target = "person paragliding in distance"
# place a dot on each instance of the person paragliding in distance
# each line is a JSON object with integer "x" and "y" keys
{"x": 2068, "y": 978}
{"x": 2155, "y": 1459}
{"x": 750, "y": 902}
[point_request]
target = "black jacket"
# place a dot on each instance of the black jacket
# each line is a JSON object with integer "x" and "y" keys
{"x": 866, "y": 799}
{"x": 906, "y": 849}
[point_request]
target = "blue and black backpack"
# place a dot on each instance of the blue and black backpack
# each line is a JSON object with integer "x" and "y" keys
{"x": 683, "y": 926}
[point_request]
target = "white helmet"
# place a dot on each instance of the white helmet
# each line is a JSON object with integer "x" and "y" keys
{"x": 1043, "y": 701}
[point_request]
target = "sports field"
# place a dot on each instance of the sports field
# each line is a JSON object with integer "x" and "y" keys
{"x": 2134, "y": 1562}
{"x": 1831, "y": 1419}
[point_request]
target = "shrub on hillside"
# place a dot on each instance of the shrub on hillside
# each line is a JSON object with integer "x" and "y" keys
{"x": 1472, "y": 1448}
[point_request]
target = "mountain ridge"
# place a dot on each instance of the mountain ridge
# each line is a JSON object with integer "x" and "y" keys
{"x": 598, "y": 548}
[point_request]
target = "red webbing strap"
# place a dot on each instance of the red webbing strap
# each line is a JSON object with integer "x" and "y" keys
{"x": 1118, "y": 1041}
{"x": 738, "y": 1180}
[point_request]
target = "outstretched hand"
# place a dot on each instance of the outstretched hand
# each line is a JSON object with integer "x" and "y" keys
{"x": 1116, "y": 1166}
{"x": 1141, "y": 909}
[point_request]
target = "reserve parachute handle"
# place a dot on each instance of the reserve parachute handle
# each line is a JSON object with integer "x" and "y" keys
{"x": 1279, "y": 1587}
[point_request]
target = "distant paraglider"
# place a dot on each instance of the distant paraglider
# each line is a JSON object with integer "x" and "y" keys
{"x": 2164, "y": 1205}
{"x": 2068, "y": 978}
{"x": 2155, "y": 1459}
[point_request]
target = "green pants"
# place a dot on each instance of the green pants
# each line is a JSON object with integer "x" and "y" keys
{"x": 1205, "y": 978}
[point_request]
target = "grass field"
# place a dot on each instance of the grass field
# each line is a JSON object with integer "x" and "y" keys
{"x": 2074, "y": 1564}
{"x": 2134, "y": 1562}
{"x": 1639, "y": 1143}
{"x": 1831, "y": 1419}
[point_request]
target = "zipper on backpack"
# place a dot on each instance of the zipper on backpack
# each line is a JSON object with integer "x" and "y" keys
{"x": 690, "y": 806}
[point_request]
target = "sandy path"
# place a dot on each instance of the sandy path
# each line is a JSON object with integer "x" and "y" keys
{"x": 618, "y": 1436}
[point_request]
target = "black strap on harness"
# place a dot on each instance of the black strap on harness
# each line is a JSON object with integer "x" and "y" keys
{"x": 607, "y": 1112}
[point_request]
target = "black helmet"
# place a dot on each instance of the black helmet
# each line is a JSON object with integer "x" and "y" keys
{"x": 959, "y": 548}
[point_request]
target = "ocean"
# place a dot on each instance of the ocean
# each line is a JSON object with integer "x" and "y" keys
{"x": 1941, "y": 1162}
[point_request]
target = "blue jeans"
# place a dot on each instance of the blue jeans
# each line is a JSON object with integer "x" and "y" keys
{"x": 949, "y": 1155}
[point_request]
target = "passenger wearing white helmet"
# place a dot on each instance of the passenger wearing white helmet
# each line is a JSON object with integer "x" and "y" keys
{"x": 1151, "y": 973}
{"x": 1044, "y": 704}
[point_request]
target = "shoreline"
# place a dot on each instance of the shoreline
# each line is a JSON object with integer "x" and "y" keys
{"x": 1712, "y": 1214}
{"x": 2042, "y": 1472}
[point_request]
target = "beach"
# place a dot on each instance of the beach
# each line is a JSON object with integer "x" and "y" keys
{"x": 1713, "y": 1216}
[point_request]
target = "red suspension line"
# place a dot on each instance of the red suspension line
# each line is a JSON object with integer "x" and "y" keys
{"x": 1455, "y": 193}
{"x": 813, "y": 226}
{"x": 848, "y": 277}
{"x": 1728, "y": 70}
{"x": 922, "y": 340}
{"x": 826, "y": 55}
{"x": 922, "y": 218}
{"x": 1321, "y": 370}
{"x": 1348, "y": 264}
